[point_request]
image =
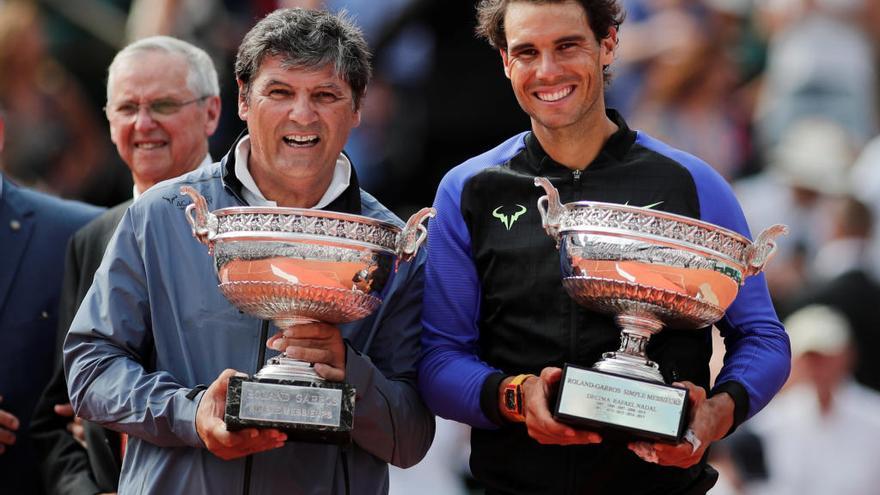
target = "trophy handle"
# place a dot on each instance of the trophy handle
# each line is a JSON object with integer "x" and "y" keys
{"x": 550, "y": 208}
{"x": 762, "y": 250}
{"x": 413, "y": 234}
{"x": 202, "y": 221}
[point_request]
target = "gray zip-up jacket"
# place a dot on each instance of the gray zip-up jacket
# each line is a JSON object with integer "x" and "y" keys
{"x": 154, "y": 325}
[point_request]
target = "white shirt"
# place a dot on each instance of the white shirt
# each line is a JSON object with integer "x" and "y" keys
{"x": 254, "y": 197}
{"x": 811, "y": 454}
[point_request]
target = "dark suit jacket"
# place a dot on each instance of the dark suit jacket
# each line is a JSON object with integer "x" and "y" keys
{"x": 66, "y": 467}
{"x": 34, "y": 229}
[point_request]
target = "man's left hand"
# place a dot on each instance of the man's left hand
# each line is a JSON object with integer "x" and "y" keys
{"x": 710, "y": 420}
{"x": 318, "y": 343}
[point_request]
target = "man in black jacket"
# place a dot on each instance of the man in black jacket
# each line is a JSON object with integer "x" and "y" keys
{"x": 162, "y": 105}
{"x": 496, "y": 317}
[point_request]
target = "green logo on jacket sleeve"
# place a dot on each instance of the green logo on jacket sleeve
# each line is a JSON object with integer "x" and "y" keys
{"x": 508, "y": 221}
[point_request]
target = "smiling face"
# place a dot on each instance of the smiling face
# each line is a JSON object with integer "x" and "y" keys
{"x": 554, "y": 64}
{"x": 298, "y": 121}
{"x": 157, "y": 147}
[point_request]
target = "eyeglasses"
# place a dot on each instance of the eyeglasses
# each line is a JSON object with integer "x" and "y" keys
{"x": 156, "y": 108}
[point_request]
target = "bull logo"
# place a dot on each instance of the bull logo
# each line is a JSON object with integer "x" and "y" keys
{"x": 508, "y": 221}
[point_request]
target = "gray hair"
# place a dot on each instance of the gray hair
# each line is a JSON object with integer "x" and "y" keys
{"x": 202, "y": 77}
{"x": 307, "y": 39}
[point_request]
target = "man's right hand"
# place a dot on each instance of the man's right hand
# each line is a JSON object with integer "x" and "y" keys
{"x": 230, "y": 444}
{"x": 539, "y": 420}
{"x": 8, "y": 424}
{"x": 75, "y": 426}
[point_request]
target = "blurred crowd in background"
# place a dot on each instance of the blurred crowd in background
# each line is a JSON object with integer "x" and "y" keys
{"x": 780, "y": 96}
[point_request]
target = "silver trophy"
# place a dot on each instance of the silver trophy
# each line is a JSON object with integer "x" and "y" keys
{"x": 295, "y": 266}
{"x": 649, "y": 269}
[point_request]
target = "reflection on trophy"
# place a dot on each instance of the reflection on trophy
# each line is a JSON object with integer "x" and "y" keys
{"x": 649, "y": 269}
{"x": 295, "y": 266}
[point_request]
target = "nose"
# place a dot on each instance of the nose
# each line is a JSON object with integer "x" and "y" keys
{"x": 548, "y": 67}
{"x": 302, "y": 112}
{"x": 143, "y": 119}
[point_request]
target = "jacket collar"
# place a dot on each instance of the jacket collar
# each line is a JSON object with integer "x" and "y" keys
{"x": 347, "y": 202}
{"x": 613, "y": 151}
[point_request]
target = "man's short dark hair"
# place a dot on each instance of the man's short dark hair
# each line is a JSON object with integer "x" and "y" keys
{"x": 601, "y": 14}
{"x": 308, "y": 39}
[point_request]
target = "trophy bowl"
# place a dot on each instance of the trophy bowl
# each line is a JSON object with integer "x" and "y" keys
{"x": 650, "y": 269}
{"x": 294, "y": 266}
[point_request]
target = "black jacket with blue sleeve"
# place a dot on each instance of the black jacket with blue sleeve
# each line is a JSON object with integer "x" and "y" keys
{"x": 495, "y": 306}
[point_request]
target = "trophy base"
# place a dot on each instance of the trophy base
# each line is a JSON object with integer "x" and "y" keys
{"x": 621, "y": 406}
{"x": 308, "y": 411}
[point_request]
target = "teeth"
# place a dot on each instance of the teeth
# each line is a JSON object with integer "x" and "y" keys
{"x": 311, "y": 138}
{"x": 558, "y": 95}
{"x": 149, "y": 146}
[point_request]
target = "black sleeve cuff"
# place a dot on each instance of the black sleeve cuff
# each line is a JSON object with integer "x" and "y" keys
{"x": 489, "y": 398}
{"x": 740, "y": 401}
{"x": 191, "y": 395}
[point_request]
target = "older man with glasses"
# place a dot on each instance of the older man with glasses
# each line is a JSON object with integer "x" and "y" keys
{"x": 162, "y": 105}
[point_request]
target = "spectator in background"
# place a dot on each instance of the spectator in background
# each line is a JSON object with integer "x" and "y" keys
{"x": 819, "y": 64}
{"x": 162, "y": 105}
{"x": 689, "y": 102}
{"x": 865, "y": 184}
{"x": 806, "y": 170}
{"x": 34, "y": 229}
{"x": 821, "y": 435}
{"x": 55, "y": 143}
{"x": 840, "y": 277}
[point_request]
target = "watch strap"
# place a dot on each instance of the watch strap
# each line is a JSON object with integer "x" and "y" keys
{"x": 513, "y": 398}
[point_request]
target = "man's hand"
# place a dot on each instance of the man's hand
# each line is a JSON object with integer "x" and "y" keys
{"x": 8, "y": 424}
{"x": 318, "y": 343}
{"x": 710, "y": 420}
{"x": 75, "y": 427}
{"x": 230, "y": 444}
{"x": 539, "y": 421}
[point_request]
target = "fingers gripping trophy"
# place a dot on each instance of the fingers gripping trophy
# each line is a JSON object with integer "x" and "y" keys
{"x": 650, "y": 269}
{"x": 294, "y": 266}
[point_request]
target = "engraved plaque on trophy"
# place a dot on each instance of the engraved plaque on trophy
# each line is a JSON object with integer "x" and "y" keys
{"x": 649, "y": 269}
{"x": 295, "y": 266}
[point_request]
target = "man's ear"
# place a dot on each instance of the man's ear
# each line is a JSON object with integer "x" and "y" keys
{"x": 213, "y": 114}
{"x": 242, "y": 100}
{"x": 505, "y": 60}
{"x": 608, "y": 47}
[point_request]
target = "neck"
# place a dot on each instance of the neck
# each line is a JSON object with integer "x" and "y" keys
{"x": 576, "y": 146}
{"x": 299, "y": 192}
{"x": 141, "y": 184}
{"x": 825, "y": 397}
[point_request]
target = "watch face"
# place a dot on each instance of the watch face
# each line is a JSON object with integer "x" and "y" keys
{"x": 510, "y": 400}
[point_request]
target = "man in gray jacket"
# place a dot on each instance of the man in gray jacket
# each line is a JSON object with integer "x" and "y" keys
{"x": 154, "y": 328}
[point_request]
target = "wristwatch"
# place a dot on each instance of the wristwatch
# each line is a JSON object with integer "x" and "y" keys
{"x": 513, "y": 398}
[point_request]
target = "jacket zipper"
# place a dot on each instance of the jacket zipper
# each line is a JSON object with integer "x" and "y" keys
{"x": 249, "y": 461}
{"x": 576, "y": 175}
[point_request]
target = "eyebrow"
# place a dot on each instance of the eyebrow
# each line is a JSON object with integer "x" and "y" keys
{"x": 327, "y": 85}
{"x": 275, "y": 82}
{"x": 558, "y": 41}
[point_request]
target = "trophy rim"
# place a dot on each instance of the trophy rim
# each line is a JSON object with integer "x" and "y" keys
{"x": 282, "y": 236}
{"x": 640, "y": 210}
{"x": 306, "y": 212}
